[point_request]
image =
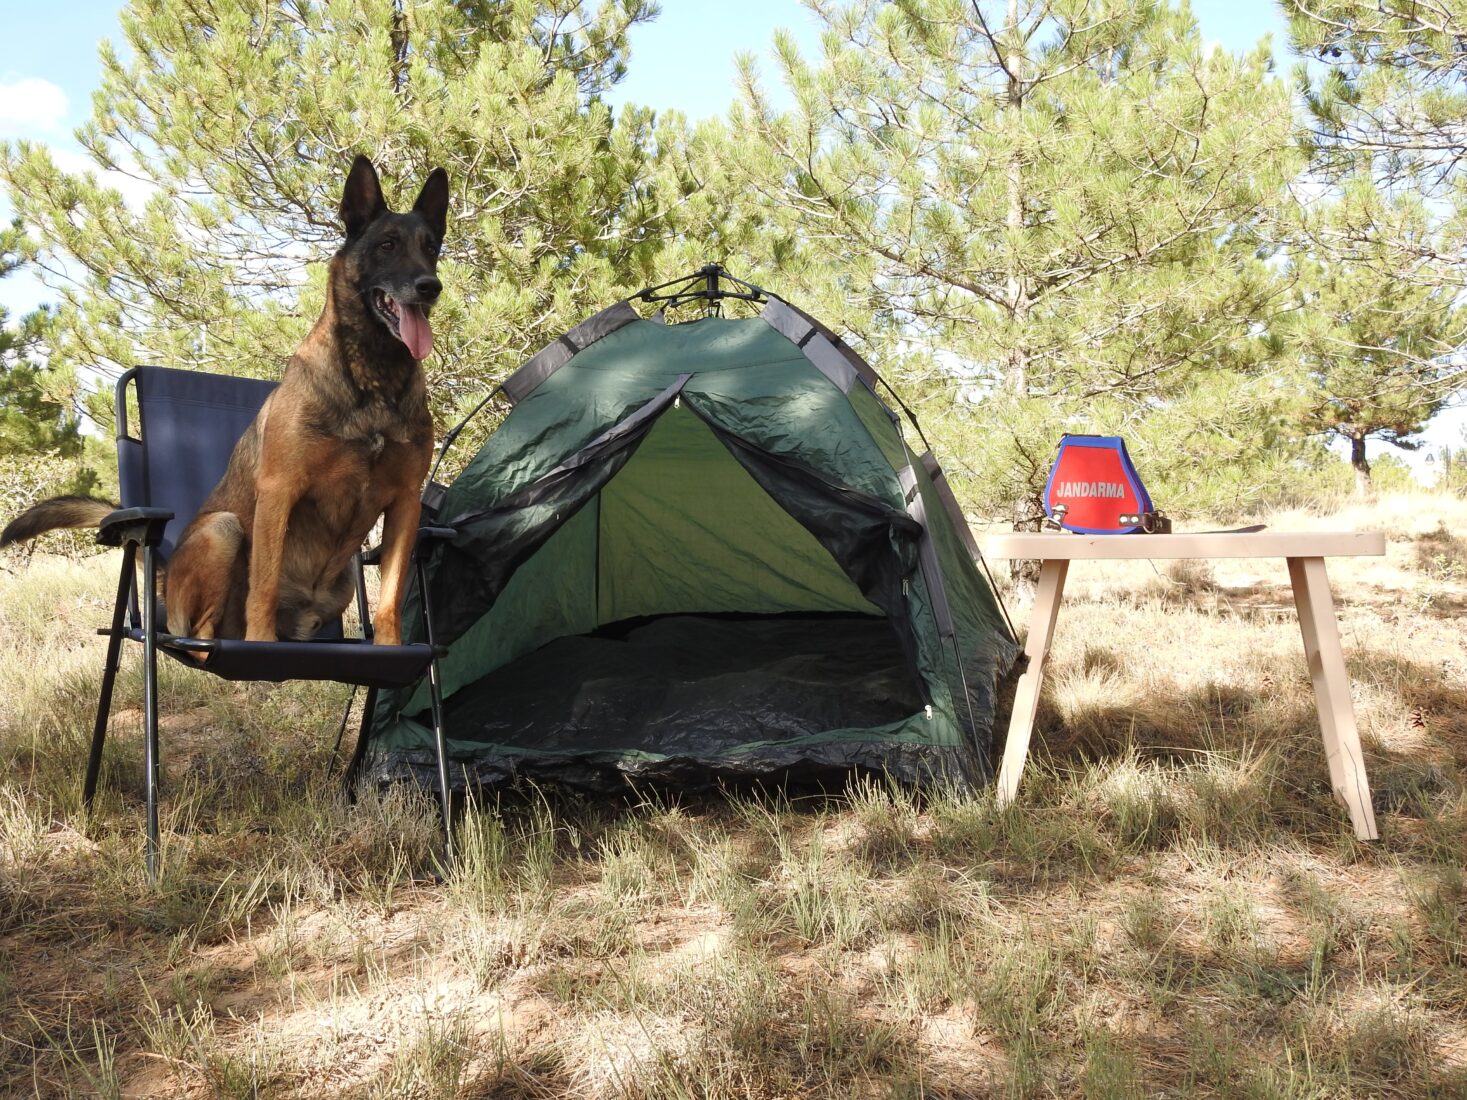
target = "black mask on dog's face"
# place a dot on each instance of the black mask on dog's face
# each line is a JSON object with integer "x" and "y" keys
{"x": 394, "y": 257}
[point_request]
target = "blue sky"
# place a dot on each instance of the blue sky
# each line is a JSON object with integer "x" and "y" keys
{"x": 57, "y": 42}
{"x": 49, "y": 68}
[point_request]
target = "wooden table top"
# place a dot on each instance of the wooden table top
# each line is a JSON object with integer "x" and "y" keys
{"x": 1064, "y": 545}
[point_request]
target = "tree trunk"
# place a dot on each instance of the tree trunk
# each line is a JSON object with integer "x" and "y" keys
{"x": 1023, "y": 573}
{"x": 1016, "y": 291}
{"x": 398, "y": 36}
{"x": 1363, "y": 488}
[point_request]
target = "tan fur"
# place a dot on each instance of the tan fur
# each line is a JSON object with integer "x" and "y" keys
{"x": 50, "y": 515}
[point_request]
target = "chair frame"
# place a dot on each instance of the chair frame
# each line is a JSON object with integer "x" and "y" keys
{"x": 140, "y": 530}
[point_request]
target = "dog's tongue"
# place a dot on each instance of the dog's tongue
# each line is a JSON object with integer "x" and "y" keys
{"x": 413, "y": 327}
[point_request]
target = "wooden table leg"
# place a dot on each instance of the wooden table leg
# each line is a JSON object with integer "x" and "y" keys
{"x": 1026, "y": 692}
{"x": 1326, "y": 659}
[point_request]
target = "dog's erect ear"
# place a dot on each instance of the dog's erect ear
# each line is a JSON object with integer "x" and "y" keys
{"x": 362, "y": 200}
{"x": 433, "y": 201}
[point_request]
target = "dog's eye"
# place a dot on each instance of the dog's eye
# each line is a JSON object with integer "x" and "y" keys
{"x": 387, "y": 245}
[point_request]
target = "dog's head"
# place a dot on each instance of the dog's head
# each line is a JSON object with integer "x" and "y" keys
{"x": 390, "y": 260}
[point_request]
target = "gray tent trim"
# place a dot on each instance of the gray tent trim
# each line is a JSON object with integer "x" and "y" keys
{"x": 536, "y": 369}
{"x": 950, "y": 504}
{"x": 830, "y": 362}
{"x": 798, "y": 330}
{"x": 862, "y": 368}
{"x": 557, "y": 354}
{"x": 786, "y": 321}
{"x": 791, "y": 327}
{"x": 927, "y": 553}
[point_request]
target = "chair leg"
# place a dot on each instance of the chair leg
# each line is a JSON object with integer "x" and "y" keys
{"x": 359, "y": 752}
{"x": 109, "y": 676}
{"x": 148, "y": 599}
{"x": 440, "y": 740}
{"x": 440, "y": 746}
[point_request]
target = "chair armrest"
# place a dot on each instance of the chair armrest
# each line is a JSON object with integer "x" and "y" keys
{"x": 373, "y": 556}
{"x": 138, "y": 525}
{"x": 435, "y": 534}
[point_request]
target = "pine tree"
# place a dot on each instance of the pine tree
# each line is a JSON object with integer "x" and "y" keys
{"x": 1376, "y": 323}
{"x": 1386, "y": 86}
{"x": 34, "y": 418}
{"x": 1051, "y": 210}
{"x": 242, "y": 118}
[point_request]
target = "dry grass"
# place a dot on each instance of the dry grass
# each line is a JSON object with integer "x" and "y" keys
{"x": 1175, "y": 907}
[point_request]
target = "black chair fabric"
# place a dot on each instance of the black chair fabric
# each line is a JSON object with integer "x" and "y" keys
{"x": 348, "y": 661}
{"x": 189, "y": 423}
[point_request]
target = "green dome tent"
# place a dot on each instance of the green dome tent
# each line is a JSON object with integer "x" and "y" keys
{"x": 702, "y": 551}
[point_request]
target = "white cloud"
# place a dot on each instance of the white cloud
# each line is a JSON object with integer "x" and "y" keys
{"x": 30, "y": 105}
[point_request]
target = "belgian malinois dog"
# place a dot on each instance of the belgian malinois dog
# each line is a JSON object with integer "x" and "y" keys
{"x": 344, "y": 439}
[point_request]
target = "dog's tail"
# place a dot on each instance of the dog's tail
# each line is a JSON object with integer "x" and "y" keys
{"x": 55, "y": 513}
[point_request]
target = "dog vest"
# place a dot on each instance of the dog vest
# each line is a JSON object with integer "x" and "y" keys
{"x": 1093, "y": 484}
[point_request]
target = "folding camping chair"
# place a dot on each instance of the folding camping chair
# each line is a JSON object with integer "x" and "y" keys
{"x": 188, "y": 424}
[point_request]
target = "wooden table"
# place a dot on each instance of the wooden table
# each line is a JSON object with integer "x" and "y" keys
{"x": 1304, "y": 551}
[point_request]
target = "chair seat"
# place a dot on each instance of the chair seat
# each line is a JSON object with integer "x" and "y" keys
{"x": 350, "y": 661}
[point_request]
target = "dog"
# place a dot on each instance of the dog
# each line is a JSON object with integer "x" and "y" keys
{"x": 344, "y": 439}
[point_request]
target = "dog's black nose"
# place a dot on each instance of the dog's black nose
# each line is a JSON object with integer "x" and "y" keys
{"x": 428, "y": 288}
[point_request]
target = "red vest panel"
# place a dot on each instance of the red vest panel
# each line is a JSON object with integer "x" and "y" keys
{"x": 1094, "y": 480}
